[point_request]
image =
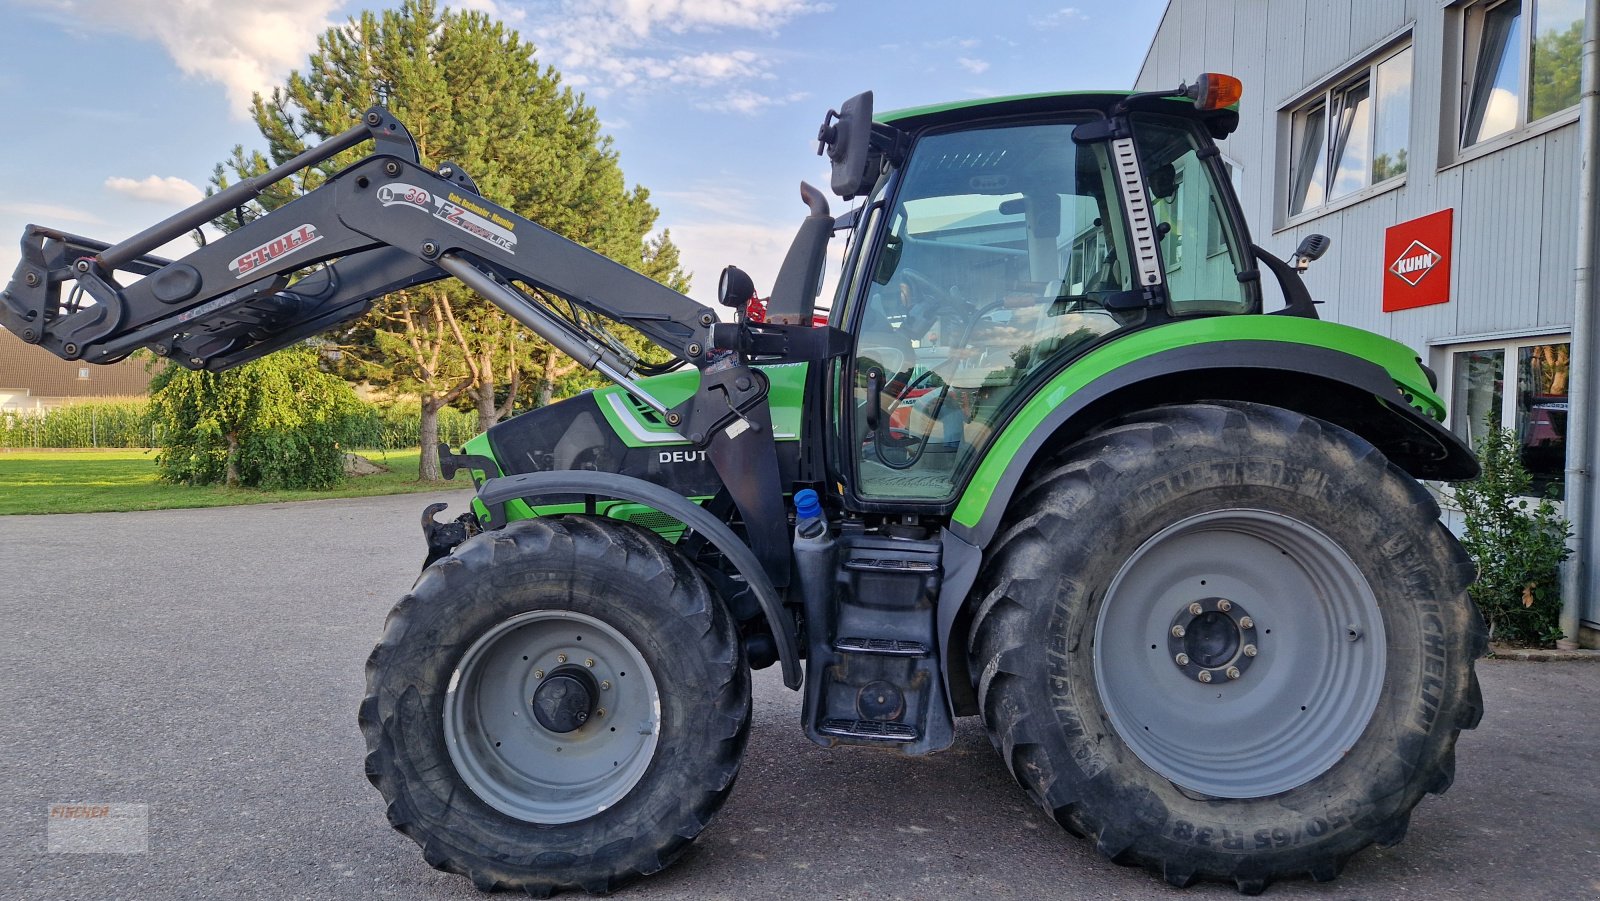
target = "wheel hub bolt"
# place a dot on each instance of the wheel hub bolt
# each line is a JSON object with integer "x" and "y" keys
{"x": 561, "y": 658}
{"x": 1212, "y": 639}
{"x": 605, "y": 686}
{"x": 538, "y": 674}
{"x": 600, "y": 712}
{"x": 588, "y": 661}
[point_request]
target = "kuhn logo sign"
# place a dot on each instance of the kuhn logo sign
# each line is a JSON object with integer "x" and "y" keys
{"x": 1416, "y": 261}
{"x": 1417, "y": 254}
{"x": 287, "y": 243}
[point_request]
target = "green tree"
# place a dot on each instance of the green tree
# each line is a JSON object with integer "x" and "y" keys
{"x": 1518, "y": 546}
{"x": 472, "y": 93}
{"x": 272, "y": 423}
{"x": 1557, "y": 58}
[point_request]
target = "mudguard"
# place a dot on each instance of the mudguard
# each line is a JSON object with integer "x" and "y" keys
{"x": 494, "y": 493}
{"x": 1327, "y": 382}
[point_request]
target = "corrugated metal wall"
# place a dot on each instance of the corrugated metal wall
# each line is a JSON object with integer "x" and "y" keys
{"x": 1515, "y": 247}
{"x": 1515, "y": 244}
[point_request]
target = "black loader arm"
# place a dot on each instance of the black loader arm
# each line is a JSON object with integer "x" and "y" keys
{"x": 380, "y": 225}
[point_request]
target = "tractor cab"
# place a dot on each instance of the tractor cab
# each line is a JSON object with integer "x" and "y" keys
{"x": 996, "y": 242}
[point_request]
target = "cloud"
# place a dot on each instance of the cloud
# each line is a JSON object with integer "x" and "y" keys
{"x": 699, "y": 70}
{"x": 1066, "y": 15}
{"x": 949, "y": 43}
{"x": 47, "y": 213}
{"x": 750, "y": 102}
{"x": 245, "y": 47}
{"x": 170, "y": 190}
{"x": 716, "y": 224}
{"x": 494, "y": 9}
{"x": 975, "y": 66}
{"x": 641, "y": 16}
{"x": 602, "y": 45}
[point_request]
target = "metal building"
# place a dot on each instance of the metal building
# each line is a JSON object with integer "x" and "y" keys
{"x": 1441, "y": 145}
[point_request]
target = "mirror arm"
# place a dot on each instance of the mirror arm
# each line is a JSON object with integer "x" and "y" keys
{"x": 1296, "y": 299}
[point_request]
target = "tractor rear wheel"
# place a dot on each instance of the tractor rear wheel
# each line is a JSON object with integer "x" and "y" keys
{"x": 1227, "y": 641}
{"x": 561, "y": 703}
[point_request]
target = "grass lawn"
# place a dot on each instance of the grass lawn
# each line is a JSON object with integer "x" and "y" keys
{"x": 96, "y": 481}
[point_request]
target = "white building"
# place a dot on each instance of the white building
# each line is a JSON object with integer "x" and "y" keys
{"x": 1438, "y": 144}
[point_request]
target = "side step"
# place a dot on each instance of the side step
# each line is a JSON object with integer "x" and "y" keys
{"x": 869, "y": 730}
{"x": 891, "y": 647}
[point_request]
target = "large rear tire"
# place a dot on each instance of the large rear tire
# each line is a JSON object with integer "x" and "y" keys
{"x": 1227, "y": 641}
{"x": 561, "y": 703}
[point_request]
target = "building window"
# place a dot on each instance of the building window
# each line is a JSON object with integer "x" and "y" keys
{"x": 1536, "y": 409}
{"x": 1353, "y": 135}
{"x": 1521, "y": 64}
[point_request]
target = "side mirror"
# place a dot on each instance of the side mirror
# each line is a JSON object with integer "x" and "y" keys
{"x": 846, "y": 137}
{"x": 1309, "y": 251}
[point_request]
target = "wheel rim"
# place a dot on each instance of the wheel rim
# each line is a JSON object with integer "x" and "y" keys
{"x": 1281, "y": 701}
{"x": 552, "y": 717}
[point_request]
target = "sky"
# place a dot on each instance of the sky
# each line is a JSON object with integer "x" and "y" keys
{"x": 116, "y": 111}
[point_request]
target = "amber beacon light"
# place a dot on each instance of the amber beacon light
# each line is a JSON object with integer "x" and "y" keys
{"x": 1213, "y": 90}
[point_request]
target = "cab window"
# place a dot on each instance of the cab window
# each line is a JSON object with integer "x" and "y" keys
{"x": 1000, "y": 251}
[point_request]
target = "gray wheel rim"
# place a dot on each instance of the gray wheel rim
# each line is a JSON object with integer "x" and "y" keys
{"x": 1306, "y": 695}
{"x": 520, "y": 767}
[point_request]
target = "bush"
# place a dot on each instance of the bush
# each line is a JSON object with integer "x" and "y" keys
{"x": 276, "y": 422}
{"x": 1518, "y": 547}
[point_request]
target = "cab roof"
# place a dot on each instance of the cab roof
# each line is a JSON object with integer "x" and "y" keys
{"x": 1221, "y": 123}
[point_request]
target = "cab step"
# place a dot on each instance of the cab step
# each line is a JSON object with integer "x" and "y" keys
{"x": 873, "y": 661}
{"x": 892, "y": 647}
{"x": 870, "y": 730}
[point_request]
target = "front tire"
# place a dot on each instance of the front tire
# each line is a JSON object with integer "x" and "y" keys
{"x": 1227, "y": 642}
{"x": 561, "y": 703}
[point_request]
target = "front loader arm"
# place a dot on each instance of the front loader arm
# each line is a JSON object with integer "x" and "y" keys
{"x": 375, "y": 227}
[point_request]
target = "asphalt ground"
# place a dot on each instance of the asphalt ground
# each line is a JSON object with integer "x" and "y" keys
{"x": 208, "y": 664}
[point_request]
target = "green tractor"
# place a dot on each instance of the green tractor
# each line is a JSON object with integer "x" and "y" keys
{"x": 1049, "y": 461}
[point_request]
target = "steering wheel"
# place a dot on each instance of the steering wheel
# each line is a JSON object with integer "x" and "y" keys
{"x": 929, "y": 301}
{"x": 906, "y": 448}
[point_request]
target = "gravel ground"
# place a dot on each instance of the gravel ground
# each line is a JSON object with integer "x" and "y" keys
{"x": 208, "y": 664}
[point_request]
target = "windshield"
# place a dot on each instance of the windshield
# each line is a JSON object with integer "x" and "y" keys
{"x": 1000, "y": 250}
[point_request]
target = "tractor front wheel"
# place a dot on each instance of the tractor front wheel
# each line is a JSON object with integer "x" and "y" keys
{"x": 561, "y": 703}
{"x": 1227, "y": 641}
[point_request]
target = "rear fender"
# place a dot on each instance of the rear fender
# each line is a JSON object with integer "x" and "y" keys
{"x": 1330, "y": 384}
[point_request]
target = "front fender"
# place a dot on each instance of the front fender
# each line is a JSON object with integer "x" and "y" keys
{"x": 496, "y": 492}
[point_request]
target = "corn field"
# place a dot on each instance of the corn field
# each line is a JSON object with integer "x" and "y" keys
{"x": 114, "y": 423}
